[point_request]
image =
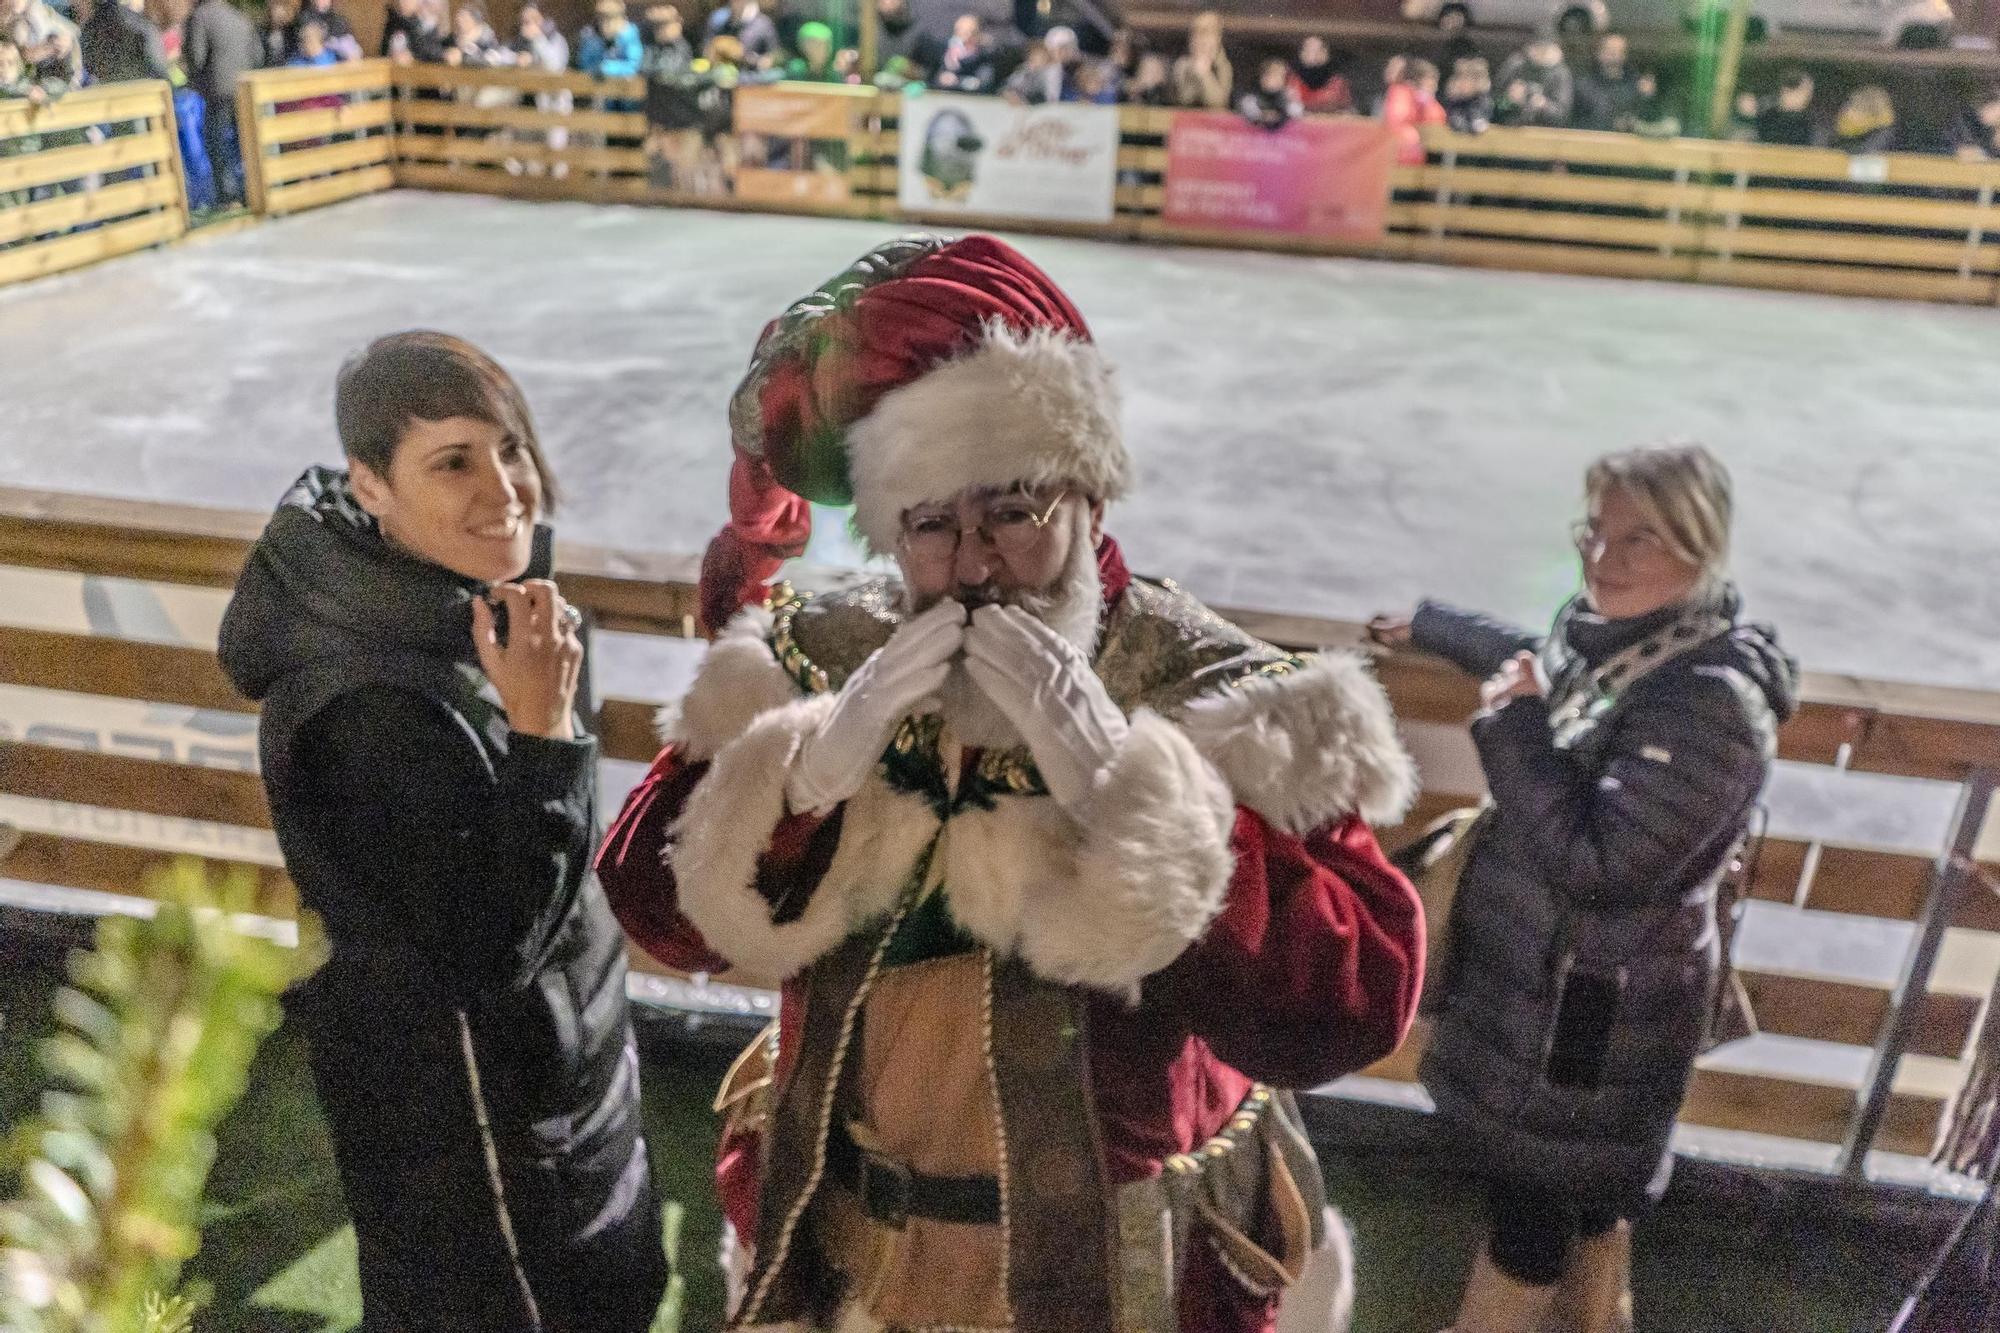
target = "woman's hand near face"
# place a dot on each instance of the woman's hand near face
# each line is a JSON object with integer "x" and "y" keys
{"x": 1520, "y": 678}
{"x": 536, "y": 670}
{"x": 1389, "y": 630}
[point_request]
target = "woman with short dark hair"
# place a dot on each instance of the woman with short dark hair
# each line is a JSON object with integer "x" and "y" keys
{"x": 435, "y": 795}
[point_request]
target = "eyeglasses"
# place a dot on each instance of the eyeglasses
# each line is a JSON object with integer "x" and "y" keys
{"x": 1643, "y": 544}
{"x": 1011, "y": 525}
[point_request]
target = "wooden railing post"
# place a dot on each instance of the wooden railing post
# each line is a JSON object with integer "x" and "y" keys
{"x": 1951, "y": 874}
{"x": 177, "y": 168}
{"x": 250, "y": 145}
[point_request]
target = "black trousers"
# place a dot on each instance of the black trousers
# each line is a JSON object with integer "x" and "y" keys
{"x": 1534, "y": 1230}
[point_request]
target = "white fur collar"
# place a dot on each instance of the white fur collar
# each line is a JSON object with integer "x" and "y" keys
{"x": 1300, "y": 749}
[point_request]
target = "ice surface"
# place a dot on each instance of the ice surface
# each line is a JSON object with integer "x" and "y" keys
{"x": 1318, "y": 435}
{"x": 1326, "y": 436}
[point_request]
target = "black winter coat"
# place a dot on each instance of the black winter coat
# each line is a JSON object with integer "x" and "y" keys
{"x": 1582, "y": 956}
{"x": 120, "y": 45}
{"x": 474, "y": 1001}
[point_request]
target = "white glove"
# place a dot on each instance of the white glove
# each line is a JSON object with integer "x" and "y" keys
{"x": 1046, "y": 688}
{"x": 894, "y": 682}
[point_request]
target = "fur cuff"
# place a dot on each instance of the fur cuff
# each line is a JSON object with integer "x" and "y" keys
{"x": 738, "y": 680}
{"x": 1310, "y": 747}
{"x": 723, "y": 834}
{"x": 1150, "y": 872}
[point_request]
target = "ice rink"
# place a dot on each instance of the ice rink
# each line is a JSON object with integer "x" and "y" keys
{"x": 1321, "y": 436}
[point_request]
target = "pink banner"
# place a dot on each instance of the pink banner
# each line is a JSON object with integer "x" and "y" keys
{"x": 1314, "y": 177}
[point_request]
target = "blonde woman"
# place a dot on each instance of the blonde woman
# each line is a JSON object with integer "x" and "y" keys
{"x": 1203, "y": 77}
{"x": 1624, "y": 753}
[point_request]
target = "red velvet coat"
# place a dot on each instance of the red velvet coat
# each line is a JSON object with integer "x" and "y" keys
{"x": 1308, "y": 968}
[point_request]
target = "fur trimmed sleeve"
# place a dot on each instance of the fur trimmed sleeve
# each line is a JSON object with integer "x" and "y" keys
{"x": 1108, "y": 899}
{"x": 1313, "y": 966}
{"x": 775, "y": 916}
{"x": 1308, "y": 748}
{"x": 738, "y": 680}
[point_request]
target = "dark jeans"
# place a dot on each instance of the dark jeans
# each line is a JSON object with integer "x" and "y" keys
{"x": 225, "y": 152}
{"x": 1533, "y": 1230}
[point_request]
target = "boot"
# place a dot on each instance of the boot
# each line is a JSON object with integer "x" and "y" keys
{"x": 1595, "y": 1295}
{"x": 1496, "y": 1303}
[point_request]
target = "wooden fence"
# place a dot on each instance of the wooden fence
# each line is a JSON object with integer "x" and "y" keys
{"x": 1692, "y": 210}
{"x": 540, "y": 135}
{"x": 315, "y": 136}
{"x": 90, "y": 176}
{"x": 1945, "y": 735}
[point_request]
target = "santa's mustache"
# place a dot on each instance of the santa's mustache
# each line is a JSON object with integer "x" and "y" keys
{"x": 1072, "y": 607}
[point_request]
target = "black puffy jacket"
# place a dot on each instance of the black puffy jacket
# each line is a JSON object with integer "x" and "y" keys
{"x": 470, "y": 1039}
{"x": 1582, "y": 954}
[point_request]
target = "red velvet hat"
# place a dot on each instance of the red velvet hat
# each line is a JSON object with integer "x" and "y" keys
{"x": 926, "y": 367}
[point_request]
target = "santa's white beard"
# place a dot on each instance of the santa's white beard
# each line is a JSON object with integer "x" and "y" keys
{"x": 1072, "y": 607}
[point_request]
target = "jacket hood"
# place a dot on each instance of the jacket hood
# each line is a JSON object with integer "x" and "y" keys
{"x": 1754, "y": 651}
{"x": 322, "y": 584}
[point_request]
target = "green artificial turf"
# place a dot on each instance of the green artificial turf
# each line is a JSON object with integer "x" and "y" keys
{"x": 279, "y": 1254}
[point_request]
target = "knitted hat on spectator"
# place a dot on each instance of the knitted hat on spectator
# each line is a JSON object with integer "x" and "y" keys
{"x": 927, "y": 367}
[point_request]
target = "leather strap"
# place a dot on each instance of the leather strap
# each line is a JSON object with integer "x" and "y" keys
{"x": 891, "y": 1193}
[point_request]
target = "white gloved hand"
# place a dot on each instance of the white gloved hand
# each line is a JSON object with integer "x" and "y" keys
{"x": 894, "y": 682}
{"x": 1047, "y": 689}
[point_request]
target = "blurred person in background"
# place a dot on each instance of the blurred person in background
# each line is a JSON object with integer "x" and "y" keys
{"x": 38, "y": 86}
{"x": 539, "y": 44}
{"x": 1271, "y": 105}
{"x": 815, "y": 61}
{"x": 1608, "y": 90}
{"x": 1468, "y": 96}
{"x": 1096, "y": 83}
{"x": 281, "y": 35}
{"x": 1151, "y": 84}
{"x": 220, "y": 46}
{"x": 312, "y": 51}
{"x": 340, "y": 37}
{"x": 1410, "y": 104}
{"x": 748, "y": 24}
{"x": 474, "y": 45}
{"x": 669, "y": 55}
{"x": 901, "y": 43}
{"x": 1203, "y": 77}
{"x": 120, "y": 44}
{"x": 49, "y": 43}
{"x": 1318, "y": 80}
{"x": 1535, "y": 88}
{"x": 1975, "y": 135}
{"x": 609, "y": 47}
{"x": 1653, "y": 116}
{"x": 967, "y": 65}
{"x": 1866, "y": 122}
{"x": 1785, "y": 117}
{"x": 1039, "y": 80}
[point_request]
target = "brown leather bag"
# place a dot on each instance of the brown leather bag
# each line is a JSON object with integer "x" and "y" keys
{"x": 1434, "y": 862}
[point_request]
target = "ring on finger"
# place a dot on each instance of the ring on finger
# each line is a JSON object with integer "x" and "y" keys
{"x": 572, "y": 617}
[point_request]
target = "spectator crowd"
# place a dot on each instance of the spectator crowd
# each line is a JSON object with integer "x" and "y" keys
{"x": 692, "y": 63}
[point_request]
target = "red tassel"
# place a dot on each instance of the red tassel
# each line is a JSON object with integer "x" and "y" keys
{"x": 768, "y": 525}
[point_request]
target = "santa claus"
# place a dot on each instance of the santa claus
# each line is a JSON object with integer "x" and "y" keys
{"x": 1065, "y": 878}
